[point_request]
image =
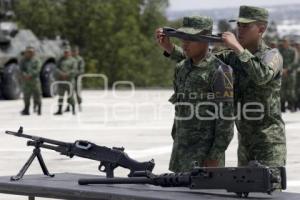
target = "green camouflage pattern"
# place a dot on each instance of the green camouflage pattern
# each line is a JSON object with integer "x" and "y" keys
{"x": 249, "y": 14}
{"x": 288, "y": 93}
{"x": 297, "y": 84}
{"x": 80, "y": 70}
{"x": 32, "y": 87}
{"x": 67, "y": 66}
{"x": 197, "y": 25}
{"x": 257, "y": 78}
{"x": 194, "y": 138}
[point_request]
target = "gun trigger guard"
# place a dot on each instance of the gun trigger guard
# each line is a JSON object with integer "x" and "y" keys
{"x": 102, "y": 167}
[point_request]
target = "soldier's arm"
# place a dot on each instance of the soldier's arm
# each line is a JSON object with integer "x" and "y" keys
{"x": 176, "y": 55}
{"x": 261, "y": 70}
{"x": 222, "y": 85}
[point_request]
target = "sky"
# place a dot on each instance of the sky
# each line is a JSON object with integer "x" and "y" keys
{"x": 178, "y": 5}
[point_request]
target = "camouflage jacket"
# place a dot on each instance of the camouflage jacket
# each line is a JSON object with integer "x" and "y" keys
{"x": 201, "y": 92}
{"x": 257, "y": 79}
{"x": 31, "y": 67}
{"x": 80, "y": 64}
{"x": 67, "y": 66}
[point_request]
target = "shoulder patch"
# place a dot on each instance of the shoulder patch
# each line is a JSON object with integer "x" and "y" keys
{"x": 273, "y": 59}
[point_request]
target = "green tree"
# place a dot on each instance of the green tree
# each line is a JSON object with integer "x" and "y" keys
{"x": 116, "y": 36}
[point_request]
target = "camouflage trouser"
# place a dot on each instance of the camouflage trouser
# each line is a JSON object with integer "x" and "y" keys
{"x": 32, "y": 90}
{"x": 185, "y": 151}
{"x": 297, "y": 88}
{"x": 288, "y": 93}
{"x": 65, "y": 88}
{"x": 77, "y": 92}
{"x": 267, "y": 154}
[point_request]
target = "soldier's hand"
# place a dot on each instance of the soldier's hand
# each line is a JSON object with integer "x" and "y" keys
{"x": 232, "y": 43}
{"x": 64, "y": 76}
{"x": 285, "y": 72}
{"x": 26, "y": 77}
{"x": 210, "y": 163}
{"x": 163, "y": 40}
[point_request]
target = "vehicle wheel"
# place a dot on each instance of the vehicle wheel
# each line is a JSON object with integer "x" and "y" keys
{"x": 47, "y": 79}
{"x": 10, "y": 83}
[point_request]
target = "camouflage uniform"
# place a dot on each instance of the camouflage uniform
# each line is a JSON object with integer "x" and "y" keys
{"x": 297, "y": 69}
{"x": 196, "y": 87}
{"x": 288, "y": 93}
{"x": 257, "y": 78}
{"x": 66, "y": 66}
{"x": 80, "y": 71}
{"x": 32, "y": 86}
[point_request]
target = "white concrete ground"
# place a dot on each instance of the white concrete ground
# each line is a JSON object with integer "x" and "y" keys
{"x": 140, "y": 121}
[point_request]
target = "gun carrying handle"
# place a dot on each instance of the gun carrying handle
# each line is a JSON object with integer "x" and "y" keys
{"x": 283, "y": 177}
{"x": 83, "y": 145}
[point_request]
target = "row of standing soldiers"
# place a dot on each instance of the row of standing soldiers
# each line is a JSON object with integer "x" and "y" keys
{"x": 69, "y": 68}
{"x": 290, "y": 88}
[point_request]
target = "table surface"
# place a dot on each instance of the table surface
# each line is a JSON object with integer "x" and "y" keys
{"x": 65, "y": 186}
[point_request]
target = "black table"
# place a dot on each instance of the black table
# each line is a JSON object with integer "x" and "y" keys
{"x": 65, "y": 186}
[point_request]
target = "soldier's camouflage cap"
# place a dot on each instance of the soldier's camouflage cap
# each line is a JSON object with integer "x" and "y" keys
{"x": 75, "y": 48}
{"x": 67, "y": 48}
{"x": 197, "y": 25}
{"x": 30, "y": 48}
{"x": 249, "y": 14}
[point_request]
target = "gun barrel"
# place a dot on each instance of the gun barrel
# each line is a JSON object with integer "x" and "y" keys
{"x": 134, "y": 180}
{"x": 35, "y": 138}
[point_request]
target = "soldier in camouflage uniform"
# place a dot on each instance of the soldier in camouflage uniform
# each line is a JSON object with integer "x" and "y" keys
{"x": 288, "y": 93}
{"x": 80, "y": 71}
{"x": 30, "y": 67}
{"x": 66, "y": 72}
{"x": 296, "y": 44}
{"x": 202, "y": 85}
{"x": 273, "y": 43}
{"x": 257, "y": 79}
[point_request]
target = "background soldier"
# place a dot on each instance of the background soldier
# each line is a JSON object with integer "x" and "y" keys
{"x": 196, "y": 135}
{"x": 296, "y": 44}
{"x": 66, "y": 72}
{"x": 289, "y": 75}
{"x": 257, "y": 74}
{"x": 30, "y": 67}
{"x": 80, "y": 71}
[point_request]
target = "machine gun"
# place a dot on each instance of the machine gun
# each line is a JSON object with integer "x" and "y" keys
{"x": 240, "y": 180}
{"x": 110, "y": 158}
{"x": 171, "y": 32}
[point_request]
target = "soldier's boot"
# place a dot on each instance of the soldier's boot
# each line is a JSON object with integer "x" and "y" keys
{"x": 39, "y": 109}
{"x": 67, "y": 109}
{"x": 25, "y": 111}
{"x": 59, "y": 112}
{"x": 73, "y": 110}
